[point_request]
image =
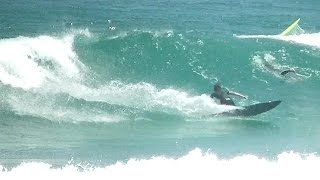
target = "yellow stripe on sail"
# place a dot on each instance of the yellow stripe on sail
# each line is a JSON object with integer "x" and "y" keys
{"x": 290, "y": 28}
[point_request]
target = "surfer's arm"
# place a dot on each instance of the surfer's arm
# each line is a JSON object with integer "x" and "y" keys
{"x": 237, "y": 94}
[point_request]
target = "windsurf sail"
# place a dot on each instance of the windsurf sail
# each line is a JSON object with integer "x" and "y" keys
{"x": 293, "y": 29}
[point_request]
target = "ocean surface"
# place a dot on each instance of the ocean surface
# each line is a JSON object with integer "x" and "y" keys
{"x": 121, "y": 89}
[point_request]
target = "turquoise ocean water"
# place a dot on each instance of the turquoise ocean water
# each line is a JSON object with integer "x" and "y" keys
{"x": 120, "y": 89}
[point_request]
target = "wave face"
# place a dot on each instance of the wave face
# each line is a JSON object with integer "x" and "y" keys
{"x": 126, "y": 86}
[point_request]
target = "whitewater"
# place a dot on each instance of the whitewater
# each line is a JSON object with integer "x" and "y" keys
{"x": 204, "y": 165}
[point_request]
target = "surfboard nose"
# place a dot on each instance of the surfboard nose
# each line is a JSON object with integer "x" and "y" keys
{"x": 275, "y": 103}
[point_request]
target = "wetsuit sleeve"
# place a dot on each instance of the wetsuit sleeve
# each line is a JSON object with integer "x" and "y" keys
{"x": 226, "y": 91}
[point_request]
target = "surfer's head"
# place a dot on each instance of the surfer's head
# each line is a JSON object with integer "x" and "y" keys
{"x": 217, "y": 87}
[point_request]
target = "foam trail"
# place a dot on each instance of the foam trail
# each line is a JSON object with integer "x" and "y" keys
{"x": 155, "y": 33}
{"x": 148, "y": 97}
{"x": 194, "y": 165}
{"x": 143, "y": 96}
{"x": 48, "y": 108}
{"x": 312, "y": 40}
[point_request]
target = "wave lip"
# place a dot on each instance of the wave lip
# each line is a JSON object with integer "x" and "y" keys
{"x": 28, "y": 62}
{"x": 194, "y": 165}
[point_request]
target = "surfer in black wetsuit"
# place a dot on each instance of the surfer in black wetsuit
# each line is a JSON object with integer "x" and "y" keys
{"x": 223, "y": 95}
{"x": 271, "y": 66}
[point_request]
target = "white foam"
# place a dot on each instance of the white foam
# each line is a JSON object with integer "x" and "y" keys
{"x": 312, "y": 39}
{"x": 147, "y": 96}
{"x": 194, "y": 165}
{"x": 28, "y": 62}
{"x": 143, "y": 96}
